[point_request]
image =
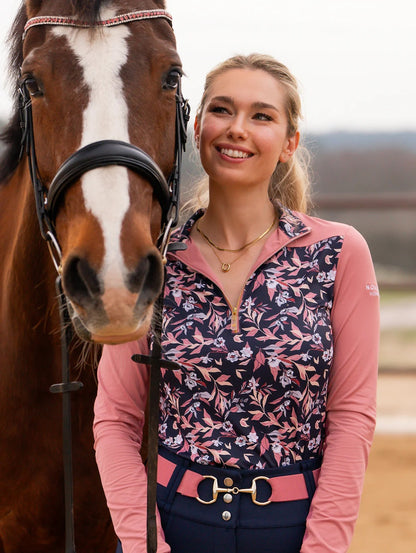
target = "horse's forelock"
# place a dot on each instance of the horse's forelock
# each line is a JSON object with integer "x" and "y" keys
{"x": 87, "y": 11}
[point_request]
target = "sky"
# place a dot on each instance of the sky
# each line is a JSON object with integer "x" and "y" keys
{"x": 355, "y": 60}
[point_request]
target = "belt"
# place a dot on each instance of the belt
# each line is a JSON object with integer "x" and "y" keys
{"x": 291, "y": 487}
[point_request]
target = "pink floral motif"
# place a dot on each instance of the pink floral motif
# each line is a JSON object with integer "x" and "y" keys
{"x": 255, "y": 398}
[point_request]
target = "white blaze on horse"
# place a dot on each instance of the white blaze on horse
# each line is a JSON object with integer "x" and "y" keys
{"x": 98, "y": 115}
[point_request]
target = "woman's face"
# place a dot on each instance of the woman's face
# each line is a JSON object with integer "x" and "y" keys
{"x": 242, "y": 130}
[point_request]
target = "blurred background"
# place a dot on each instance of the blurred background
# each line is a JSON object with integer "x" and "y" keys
{"x": 356, "y": 67}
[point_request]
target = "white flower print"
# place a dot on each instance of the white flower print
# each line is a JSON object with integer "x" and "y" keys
{"x": 271, "y": 283}
{"x": 248, "y": 303}
{"x": 219, "y": 342}
{"x": 233, "y": 356}
{"x": 273, "y": 361}
{"x": 316, "y": 339}
{"x": 282, "y": 298}
{"x": 252, "y": 437}
{"x": 306, "y": 428}
{"x": 252, "y": 384}
{"x": 332, "y": 274}
{"x": 178, "y": 439}
{"x": 246, "y": 352}
{"x": 204, "y": 460}
{"x": 286, "y": 378}
{"x": 227, "y": 426}
{"x": 189, "y": 304}
{"x": 240, "y": 441}
{"x": 277, "y": 447}
{"x": 321, "y": 277}
{"x": 327, "y": 354}
{"x": 191, "y": 380}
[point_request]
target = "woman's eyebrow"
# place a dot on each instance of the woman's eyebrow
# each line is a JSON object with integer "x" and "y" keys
{"x": 226, "y": 99}
{"x": 264, "y": 105}
{"x": 255, "y": 105}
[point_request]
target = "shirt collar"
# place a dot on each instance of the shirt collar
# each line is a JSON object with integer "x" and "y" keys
{"x": 290, "y": 224}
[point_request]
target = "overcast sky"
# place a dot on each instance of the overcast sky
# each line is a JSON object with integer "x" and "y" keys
{"x": 355, "y": 60}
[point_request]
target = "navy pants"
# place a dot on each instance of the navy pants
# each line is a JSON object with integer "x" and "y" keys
{"x": 236, "y": 526}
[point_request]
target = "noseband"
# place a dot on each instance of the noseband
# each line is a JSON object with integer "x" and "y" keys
{"x": 102, "y": 153}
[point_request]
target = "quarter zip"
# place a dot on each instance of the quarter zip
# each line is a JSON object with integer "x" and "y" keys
{"x": 234, "y": 309}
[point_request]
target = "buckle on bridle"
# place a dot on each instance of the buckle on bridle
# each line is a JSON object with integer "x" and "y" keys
{"x": 235, "y": 490}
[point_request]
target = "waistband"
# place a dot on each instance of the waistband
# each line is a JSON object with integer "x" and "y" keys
{"x": 283, "y": 486}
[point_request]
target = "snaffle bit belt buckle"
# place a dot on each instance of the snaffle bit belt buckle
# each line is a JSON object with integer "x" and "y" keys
{"x": 235, "y": 490}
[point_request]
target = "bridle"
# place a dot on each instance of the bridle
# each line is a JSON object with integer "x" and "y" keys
{"x": 100, "y": 154}
{"x": 104, "y": 152}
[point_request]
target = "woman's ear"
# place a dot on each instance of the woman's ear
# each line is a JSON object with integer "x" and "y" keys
{"x": 196, "y": 131}
{"x": 290, "y": 147}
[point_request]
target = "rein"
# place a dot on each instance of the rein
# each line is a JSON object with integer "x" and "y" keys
{"x": 100, "y": 154}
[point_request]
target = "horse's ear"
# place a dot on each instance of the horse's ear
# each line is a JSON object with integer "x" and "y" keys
{"x": 33, "y": 7}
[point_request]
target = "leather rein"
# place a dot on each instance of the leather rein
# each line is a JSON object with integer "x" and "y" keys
{"x": 100, "y": 154}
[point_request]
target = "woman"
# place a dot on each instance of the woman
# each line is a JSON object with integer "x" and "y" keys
{"x": 272, "y": 316}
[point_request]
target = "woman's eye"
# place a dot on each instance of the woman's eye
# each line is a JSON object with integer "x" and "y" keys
{"x": 33, "y": 87}
{"x": 263, "y": 117}
{"x": 172, "y": 80}
{"x": 218, "y": 109}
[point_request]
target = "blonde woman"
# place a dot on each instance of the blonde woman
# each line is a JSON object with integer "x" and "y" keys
{"x": 272, "y": 316}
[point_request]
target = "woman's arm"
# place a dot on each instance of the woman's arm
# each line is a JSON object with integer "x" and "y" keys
{"x": 118, "y": 428}
{"x": 351, "y": 407}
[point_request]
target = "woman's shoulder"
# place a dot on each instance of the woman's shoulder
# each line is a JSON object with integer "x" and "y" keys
{"x": 320, "y": 229}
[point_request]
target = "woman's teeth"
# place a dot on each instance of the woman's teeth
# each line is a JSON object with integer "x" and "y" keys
{"x": 234, "y": 153}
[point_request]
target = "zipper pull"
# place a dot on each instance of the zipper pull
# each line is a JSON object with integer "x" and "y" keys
{"x": 234, "y": 319}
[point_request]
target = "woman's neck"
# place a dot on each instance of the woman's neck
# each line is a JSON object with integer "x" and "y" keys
{"x": 231, "y": 220}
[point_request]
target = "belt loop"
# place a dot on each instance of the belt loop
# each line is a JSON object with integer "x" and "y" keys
{"x": 310, "y": 483}
{"x": 174, "y": 484}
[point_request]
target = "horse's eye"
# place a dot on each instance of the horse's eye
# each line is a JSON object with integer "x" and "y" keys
{"x": 172, "y": 79}
{"x": 33, "y": 87}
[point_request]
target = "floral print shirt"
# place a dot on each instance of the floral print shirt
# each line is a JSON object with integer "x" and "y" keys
{"x": 252, "y": 393}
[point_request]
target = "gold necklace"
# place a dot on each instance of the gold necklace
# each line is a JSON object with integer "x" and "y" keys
{"x": 226, "y": 266}
{"x": 262, "y": 235}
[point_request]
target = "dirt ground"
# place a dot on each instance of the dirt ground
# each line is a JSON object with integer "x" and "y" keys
{"x": 387, "y": 519}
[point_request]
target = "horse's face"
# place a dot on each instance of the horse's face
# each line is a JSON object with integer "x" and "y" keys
{"x": 89, "y": 85}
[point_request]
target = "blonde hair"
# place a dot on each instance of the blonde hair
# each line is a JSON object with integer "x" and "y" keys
{"x": 289, "y": 183}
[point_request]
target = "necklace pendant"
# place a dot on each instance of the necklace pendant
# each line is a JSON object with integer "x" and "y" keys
{"x": 225, "y": 267}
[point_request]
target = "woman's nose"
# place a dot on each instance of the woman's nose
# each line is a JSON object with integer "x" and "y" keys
{"x": 237, "y": 128}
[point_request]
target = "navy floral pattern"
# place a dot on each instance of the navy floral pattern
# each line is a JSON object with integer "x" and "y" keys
{"x": 255, "y": 396}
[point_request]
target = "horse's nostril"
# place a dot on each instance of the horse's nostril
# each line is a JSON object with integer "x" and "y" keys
{"x": 80, "y": 280}
{"x": 146, "y": 280}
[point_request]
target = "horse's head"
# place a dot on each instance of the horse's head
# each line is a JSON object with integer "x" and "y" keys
{"x": 108, "y": 93}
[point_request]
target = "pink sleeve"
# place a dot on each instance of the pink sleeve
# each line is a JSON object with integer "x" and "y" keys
{"x": 351, "y": 407}
{"x": 118, "y": 427}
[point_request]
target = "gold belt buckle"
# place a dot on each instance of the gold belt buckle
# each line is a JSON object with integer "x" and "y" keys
{"x": 235, "y": 490}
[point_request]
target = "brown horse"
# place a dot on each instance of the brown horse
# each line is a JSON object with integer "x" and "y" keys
{"x": 94, "y": 82}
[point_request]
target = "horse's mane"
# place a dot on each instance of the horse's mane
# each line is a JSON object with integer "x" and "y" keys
{"x": 12, "y": 134}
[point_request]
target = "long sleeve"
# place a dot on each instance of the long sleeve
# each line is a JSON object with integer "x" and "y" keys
{"x": 118, "y": 427}
{"x": 351, "y": 406}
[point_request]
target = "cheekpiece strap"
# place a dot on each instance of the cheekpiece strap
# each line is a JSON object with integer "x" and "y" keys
{"x": 117, "y": 20}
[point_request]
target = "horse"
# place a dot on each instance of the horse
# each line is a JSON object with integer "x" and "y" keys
{"x": 85, "y": 178}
